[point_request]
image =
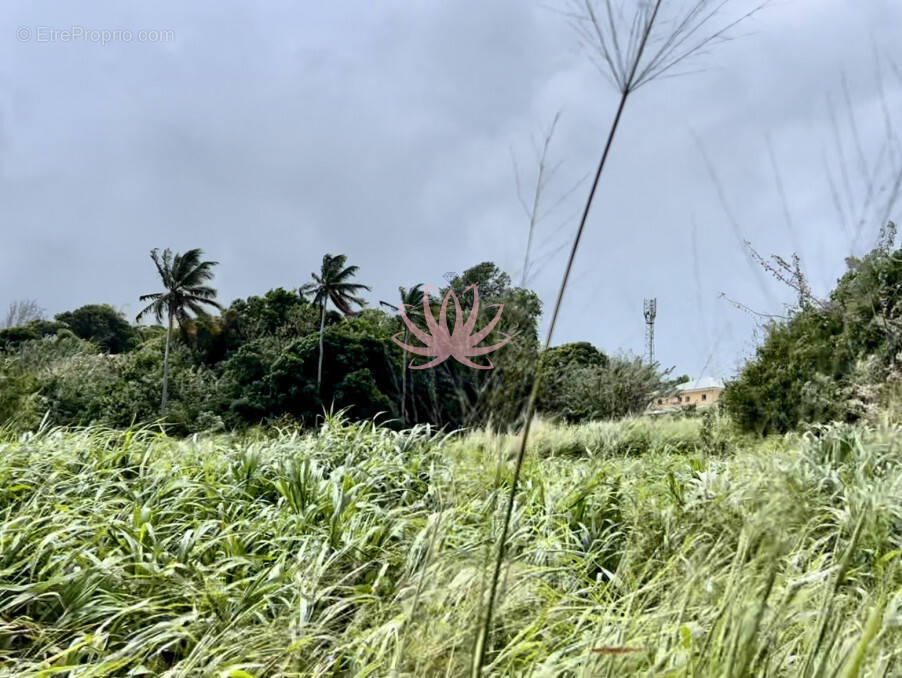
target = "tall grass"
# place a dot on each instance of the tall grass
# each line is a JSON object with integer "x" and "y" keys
{"x": 358, "y": 551}
{"x": 632, "y": 44}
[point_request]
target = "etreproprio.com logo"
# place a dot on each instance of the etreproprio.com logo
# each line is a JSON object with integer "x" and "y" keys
{"x": 100, "y": 36}
{"x": 460, "y": 342}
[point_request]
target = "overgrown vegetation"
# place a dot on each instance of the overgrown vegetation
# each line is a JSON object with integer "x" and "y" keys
{"x": 835, "y": 361}
{"x": 637, "y": 548}
{"x": 276, "y": 490}
{"x": 285, "y": 357}
{"x": 580, "y": 383}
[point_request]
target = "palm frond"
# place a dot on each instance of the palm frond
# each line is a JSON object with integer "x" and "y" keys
{"x": 349, "y": 288}
{"x": 157, "y": 308}
{"x": 201, "y": 292}
{"x": 183, "y": 276}
{"x": 200, "y": 299}
{"x": 199, "y": 274}
{"x": 331, "y": 284}
{"x": 412, "y": 300}
{"x": 164, "y": 265}
{"x": 197, "y": 309}
{"x": 185, "y": 262}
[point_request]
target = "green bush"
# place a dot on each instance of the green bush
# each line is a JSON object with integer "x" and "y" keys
{"x": 67, "y": 379}
{"x": 826, "y": 364}
{"x": 580, "y": 384}
{"x": 102, "y": 325}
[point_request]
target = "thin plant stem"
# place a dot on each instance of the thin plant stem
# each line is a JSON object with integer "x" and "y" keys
{"x": 482, "y": 645}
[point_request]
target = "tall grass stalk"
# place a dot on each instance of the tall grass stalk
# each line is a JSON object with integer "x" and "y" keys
{"x": 621, "y": 45}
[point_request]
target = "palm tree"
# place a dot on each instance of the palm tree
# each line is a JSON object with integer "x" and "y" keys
{"x": 412, "y": 303}
{"x": 183, "y": 277}
{"x": 332, "y": 283}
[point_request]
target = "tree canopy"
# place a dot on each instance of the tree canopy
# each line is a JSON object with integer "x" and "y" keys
{"x": 830, "y": 362}
{"x": 285, "y": 355}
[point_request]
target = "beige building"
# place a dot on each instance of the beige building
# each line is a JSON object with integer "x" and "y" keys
{"x": 701, "y": 392}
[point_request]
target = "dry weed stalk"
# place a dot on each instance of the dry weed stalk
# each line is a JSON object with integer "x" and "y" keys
{"x": 632, "y": 43}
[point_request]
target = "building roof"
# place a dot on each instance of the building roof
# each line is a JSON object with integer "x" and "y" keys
{"x": 701, "y": 383}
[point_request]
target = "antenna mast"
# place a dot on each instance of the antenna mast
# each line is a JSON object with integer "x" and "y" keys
{"x": 650, "y": 310}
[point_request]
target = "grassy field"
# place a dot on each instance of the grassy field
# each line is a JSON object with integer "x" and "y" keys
{"x": 666, "y": 548}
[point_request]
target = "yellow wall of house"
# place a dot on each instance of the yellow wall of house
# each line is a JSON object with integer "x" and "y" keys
{"x": 700, "y": 398}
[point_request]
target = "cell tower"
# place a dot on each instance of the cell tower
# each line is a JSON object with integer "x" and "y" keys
{"x": 650, "y": 310}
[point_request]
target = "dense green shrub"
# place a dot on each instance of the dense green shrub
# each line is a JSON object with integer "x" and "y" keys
{"x": 102, "y": 325}
{"x": 70, "y": 381}
{"x": 12, "y": 338}
{"x": 580, "y": 383}
{"x": 826, "y": 363}
{"x": 556, "y": 366}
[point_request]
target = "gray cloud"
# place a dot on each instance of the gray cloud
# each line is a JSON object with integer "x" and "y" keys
{"x": 271, "y": 134}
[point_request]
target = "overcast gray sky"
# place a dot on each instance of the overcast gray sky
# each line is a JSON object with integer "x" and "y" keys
{"x": 270, "y": 133}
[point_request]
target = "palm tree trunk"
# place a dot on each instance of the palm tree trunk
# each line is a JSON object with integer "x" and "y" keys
{"x": 319, "y": 369}
{"x": 166, "y": 364}
{"x": 433, "y": 392}
{"x": 404, "y": 380}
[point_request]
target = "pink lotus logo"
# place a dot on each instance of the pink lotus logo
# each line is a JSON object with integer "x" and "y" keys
{"x": 460, "y": 343}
